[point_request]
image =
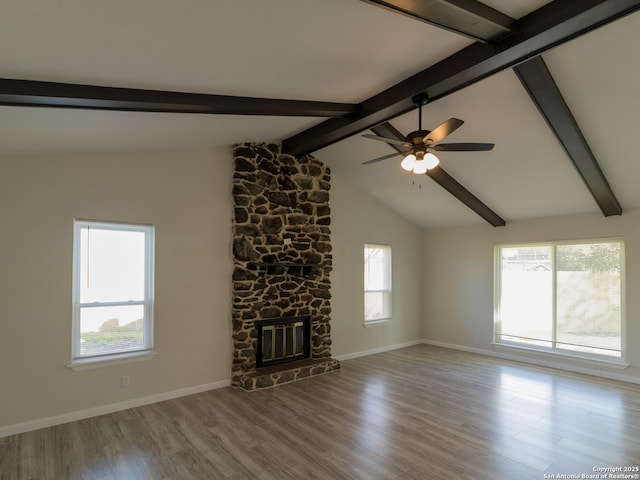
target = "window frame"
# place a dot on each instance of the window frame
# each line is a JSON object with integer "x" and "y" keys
{"x": 553, "y": 350}
{"x": 145, "y": 352}
{"x": 387, "y": 292}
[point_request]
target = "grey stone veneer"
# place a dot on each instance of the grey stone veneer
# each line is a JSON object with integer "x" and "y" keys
{"x": 278, "y": 198}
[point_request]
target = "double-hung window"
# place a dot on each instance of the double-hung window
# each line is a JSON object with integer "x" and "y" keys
{"x": 377, "y": 284}
{"x": 564, "y": 297}
{"x": 113, "y": 269}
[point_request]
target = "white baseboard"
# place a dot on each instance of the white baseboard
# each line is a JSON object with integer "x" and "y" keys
{"x": 386, "y": 348}
{"x": 17, "y": 428}
{"x": 32, "y": 425}
{"x": 5, "y": 431}
{"x": 539, "y": 362}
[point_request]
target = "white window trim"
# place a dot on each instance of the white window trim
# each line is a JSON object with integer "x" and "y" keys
{"x": 620, "y": 362}
{"x": 378, "y": 322}
{"x": 80, "y": 362}
{"x": 86, "y": 363}
{"x": 385, "y": 320}
{"x": 584, "y": 358}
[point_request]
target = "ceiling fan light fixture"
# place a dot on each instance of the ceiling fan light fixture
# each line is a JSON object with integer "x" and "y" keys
{"x": 420, "y": 167}
{"x": 431, "y": 161}
{"x": 408, "y": 162}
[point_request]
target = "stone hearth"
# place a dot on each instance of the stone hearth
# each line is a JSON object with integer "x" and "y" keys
{"x": 282, "y": 259}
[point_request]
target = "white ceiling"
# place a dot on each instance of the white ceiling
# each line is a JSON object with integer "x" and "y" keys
{"x": 328, "y": 50}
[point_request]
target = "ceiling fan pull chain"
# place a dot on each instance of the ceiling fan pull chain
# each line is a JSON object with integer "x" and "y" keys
{"x": 413, "y": 181}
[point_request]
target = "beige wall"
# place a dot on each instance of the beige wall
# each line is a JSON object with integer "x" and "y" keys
{"x": 458, "y": 282}
{"x": 443, "y": 279}
{"x": 187, "y": 196}
{"x": 357, "y": 219}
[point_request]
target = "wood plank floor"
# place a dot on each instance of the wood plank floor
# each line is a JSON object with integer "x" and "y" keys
{"x": 418, "y": 413}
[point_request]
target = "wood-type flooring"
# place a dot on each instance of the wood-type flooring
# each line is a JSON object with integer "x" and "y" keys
{"x": 421, "y": 412}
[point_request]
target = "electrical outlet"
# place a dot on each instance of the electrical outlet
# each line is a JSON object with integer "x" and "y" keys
{"x": 125, "y": 381}
{"x": 287, "y": 241}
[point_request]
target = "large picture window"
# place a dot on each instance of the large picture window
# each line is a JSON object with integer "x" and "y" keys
{"x": 561, "y": 297}
{"x": 112, "y": 290}
{"x": 377, "y": 283}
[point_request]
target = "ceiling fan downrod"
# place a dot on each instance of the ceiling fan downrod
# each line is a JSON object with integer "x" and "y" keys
{"x": 419, "y": 100}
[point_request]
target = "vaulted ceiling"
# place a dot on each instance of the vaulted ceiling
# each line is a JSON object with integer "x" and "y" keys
{"x": 552, "y": 84}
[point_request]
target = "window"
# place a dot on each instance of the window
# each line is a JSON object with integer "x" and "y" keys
{"x": 112, "y": 291}
{"x": 377, "y": 284}
{"x": 562, "y": 297}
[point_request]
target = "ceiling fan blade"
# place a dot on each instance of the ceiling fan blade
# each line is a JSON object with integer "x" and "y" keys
{"x": 463, "y": 147}
{"x": 394, "y": 141}
{"x": 379, "y": 159}
{"x": 443, "y": 130}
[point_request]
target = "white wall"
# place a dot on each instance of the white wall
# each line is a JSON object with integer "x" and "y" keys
{"x": 186, "y": 194}
{"x": 356, "y": 219}
{"x": 458, "y": 282}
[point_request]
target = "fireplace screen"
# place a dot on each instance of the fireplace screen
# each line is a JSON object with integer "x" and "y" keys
{"x": 282, "y": 340}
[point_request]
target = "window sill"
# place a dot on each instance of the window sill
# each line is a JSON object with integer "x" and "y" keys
{"x": 109, "y": 360}
{"x": 584, "y": 358}
{"x": 375, "y": 323}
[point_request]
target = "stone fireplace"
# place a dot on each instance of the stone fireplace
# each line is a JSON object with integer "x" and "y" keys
{"x": 282, "y": 261}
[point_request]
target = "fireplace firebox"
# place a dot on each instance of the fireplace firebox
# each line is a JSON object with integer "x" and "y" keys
{"x": 282, "y": 340}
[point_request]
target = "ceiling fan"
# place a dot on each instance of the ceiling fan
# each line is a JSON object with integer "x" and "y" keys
{"x": 419, "y": 145}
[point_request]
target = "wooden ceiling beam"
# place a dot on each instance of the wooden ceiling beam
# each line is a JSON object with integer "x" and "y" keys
{"x": 544, "y": 92}
{"x": 551, "y": 25}
{"x": 65, "y": 95}
{"x": 470, "y": 18}
{"x": 446, "y": 181}
{"x": 476, "y": 20}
